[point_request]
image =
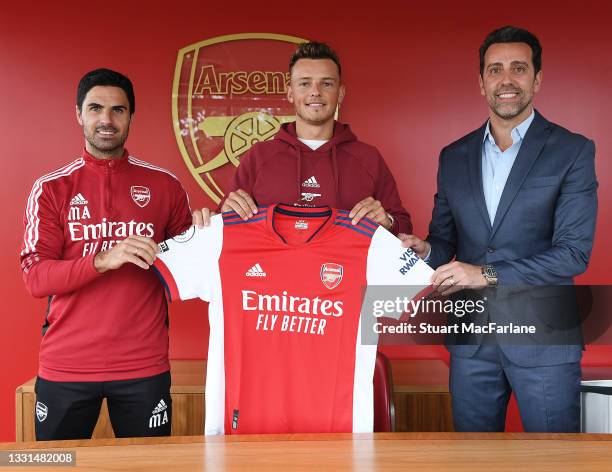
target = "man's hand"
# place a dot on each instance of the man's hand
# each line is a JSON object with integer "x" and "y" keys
{"x": 138, "y": 250}
{"x": 240, "y": 202}
{"x": 419, "y": 246}
{"x": 201, "y": 218}
{"x": 372, "y": 209}
{"x": 455, "y": 276}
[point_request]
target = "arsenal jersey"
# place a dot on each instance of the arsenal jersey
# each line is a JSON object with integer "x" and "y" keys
{"x": 285, "y": 291}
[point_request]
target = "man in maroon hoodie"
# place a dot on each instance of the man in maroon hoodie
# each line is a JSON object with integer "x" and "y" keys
{"x": 316, "y": 160}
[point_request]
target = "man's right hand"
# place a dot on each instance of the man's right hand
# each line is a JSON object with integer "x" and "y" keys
{"x": 240, "y": 202}
{"x": 419, "y": 246}
{"x": 138, "y": 250}
{"x": 201, "y": 218}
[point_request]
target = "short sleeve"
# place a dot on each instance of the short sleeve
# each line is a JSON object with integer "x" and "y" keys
{"x": 394, "y": 266}
{"x": 188, "y": 264}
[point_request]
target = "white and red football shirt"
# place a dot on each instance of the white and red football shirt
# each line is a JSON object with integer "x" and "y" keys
{"x": 285, "y": 291}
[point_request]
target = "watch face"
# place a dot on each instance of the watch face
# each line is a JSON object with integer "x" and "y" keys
{"x": 490, "y": 272}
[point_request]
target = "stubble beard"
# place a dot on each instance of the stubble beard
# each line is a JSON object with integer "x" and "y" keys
{"x": 317, "y": 121}
{"x": 510, "y": 114}
{"x": 107, "y": 148}
{"x": 505, "y": 113}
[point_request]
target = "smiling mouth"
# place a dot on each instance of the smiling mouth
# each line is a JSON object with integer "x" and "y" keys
{"x": 106, "y": 132}
{"x": 315, "y": 105}
{"x": 507, "y": 95}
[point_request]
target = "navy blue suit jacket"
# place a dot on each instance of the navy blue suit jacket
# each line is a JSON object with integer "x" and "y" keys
{"x": 544, "y": 226}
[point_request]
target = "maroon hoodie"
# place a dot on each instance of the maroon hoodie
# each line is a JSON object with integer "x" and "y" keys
{"x": 340, "y": 174}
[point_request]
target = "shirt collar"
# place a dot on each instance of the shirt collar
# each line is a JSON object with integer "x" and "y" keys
{"x": 114, "y": 163}
{"x": 518, "y": 132}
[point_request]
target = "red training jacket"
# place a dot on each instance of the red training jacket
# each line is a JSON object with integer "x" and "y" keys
{"x": 109, "y": 326}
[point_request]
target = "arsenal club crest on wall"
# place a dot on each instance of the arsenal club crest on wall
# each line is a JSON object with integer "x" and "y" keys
{"x": 141, "y": 195}
{"x": 331, "y": 275}
{"x": 229, "y": 92}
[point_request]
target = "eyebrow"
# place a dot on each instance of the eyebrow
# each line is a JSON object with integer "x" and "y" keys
{"x": 513, "y": 63}
{"x": 116, "y": 107}
{"x": 310, "y": 78}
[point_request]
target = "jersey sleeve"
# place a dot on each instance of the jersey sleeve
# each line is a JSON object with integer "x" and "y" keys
{"x": 43, "y": 268}
{"x": 386, "y": 191}
{"x": 188, "y": 264}
{"x": 243, "y": 178}
{"x": 180, "y": 216}
{"x": 391, "y": 264}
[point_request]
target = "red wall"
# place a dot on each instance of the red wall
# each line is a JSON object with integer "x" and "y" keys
{"x": 411, "y": 77}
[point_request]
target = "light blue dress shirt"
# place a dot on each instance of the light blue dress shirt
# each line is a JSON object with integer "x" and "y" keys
{"x": 496, "y": 165}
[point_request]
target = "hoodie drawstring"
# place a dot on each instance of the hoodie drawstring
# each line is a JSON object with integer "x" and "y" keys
{"x": 336, "y": 176}
{"x": 299, "y": 174}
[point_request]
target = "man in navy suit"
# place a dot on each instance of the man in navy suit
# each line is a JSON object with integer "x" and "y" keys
{"x": 516, "y": 205}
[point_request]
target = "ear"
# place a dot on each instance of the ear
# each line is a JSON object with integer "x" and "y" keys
{"x": 289, "y": 93}
{"x": 481, "y": 85}
{"x": 537, "y": 82}
{"x": 78, "y": 116}
{"x": 342, "y": 91}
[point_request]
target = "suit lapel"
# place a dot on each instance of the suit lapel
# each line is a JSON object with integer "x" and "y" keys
{"x": 532, "y": 145}
{"x": 475, "y": 170}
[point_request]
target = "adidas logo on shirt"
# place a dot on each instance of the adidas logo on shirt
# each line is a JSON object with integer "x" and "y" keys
{"x": 255, "y": 271}
{"x": 161, "y": 406}
{"x": 311, "y": 182}
{"x": 79, "y": 199}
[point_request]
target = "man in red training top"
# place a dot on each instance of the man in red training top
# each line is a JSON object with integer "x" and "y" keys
{"x": 316, "y": 160}
{"x": 91, "y": 229}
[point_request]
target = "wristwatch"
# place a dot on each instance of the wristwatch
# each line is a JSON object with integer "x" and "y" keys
{"x": 490, "y": 275}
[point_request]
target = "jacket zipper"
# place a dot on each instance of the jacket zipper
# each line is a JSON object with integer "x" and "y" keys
{"x": 108, "y": 190}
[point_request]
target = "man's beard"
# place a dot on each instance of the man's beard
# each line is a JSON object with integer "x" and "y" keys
{"x": 512, "y": 113}
{"x": 317, "y": 120}
{"x": 107, "y": 147}
{"x": 506, "y": 112}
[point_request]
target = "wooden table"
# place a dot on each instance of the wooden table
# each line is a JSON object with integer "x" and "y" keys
{"x": 422, "y": 400}
{"x": 382, "y": 451}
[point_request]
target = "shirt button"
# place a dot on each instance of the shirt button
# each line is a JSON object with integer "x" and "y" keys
{"x": 490, "y": 249}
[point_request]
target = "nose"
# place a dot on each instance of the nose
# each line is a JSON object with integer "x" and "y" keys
{"x": 106, "y": 116}
{"x": 315, "y": 90}
{"x": 507, "y": 78}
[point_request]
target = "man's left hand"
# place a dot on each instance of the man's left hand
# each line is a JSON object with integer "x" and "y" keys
{"x": 372, "y": 209}
{"x": 455, "y": 276}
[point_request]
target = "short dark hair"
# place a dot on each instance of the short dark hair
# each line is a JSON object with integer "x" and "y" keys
{"x": 512, "y": 34}
{"x": 314, "y": 50}
{"x": 105, "y": 77}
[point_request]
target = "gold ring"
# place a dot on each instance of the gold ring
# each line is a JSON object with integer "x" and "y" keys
{"x": 451, "y": 280}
